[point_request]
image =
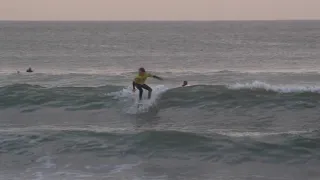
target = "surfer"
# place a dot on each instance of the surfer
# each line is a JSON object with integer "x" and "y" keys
{"x": 185, "y": 83}
{"x": 29, "y": 70}
{"x": 139, "y": 82}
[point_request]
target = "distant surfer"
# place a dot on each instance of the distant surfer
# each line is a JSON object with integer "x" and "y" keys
{"x": 139, "y": 82}
{"x": 185, "y": 83}
{"x": 29, "y": 70}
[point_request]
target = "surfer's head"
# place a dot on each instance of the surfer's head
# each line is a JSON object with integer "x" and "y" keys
{"x": 29, "y": 70}
{"x": 185, "y": 83}
{"x": 141, "y": 71}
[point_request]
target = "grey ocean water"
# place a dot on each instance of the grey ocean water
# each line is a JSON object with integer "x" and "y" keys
{"x": 251, "y": 110}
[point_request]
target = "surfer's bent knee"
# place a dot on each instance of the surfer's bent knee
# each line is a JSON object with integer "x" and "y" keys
{"x": 147, "y": 87}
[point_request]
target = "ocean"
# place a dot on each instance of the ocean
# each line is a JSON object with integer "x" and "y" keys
{"x": 251, "y": 110}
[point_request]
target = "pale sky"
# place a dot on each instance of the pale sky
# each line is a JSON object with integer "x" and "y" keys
{"x": 159, "y": 9}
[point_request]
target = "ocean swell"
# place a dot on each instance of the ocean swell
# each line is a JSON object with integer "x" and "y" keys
{"x": 227, "y": 96}
{"x": 216, "y": 147}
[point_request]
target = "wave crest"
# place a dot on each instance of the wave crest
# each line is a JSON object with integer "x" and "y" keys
{"x": 87, "y": 98}
{"x": 256, "y": 85}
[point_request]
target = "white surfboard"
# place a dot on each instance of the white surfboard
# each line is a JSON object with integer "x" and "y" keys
{"x": 144, "y": 104}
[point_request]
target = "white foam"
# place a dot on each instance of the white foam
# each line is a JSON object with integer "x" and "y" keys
{"x": 276, "y": 88}
{"x": 123, "y": 167}
{"x": 38, "y": 176}
{"x": 133, "y": 105}
{"x": 257, "y": 134}
{"x": 47, "y": 162}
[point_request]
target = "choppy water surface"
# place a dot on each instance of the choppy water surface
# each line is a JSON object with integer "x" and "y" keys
{"x": 251, "y": 110}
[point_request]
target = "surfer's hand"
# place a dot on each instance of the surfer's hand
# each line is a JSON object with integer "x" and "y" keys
{"x": 157, "y": 77}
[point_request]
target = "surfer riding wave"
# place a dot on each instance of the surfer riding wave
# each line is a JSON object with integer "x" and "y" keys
{"x": 139, "y": 82}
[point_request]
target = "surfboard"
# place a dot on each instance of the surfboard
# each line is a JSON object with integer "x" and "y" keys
{"x": 144, "y": 104}
{"x": 143, "y": 101}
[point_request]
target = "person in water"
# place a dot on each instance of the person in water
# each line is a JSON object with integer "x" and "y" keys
{"x": 139, "y": 82}
{"x": 29, "y": 70}
{"x": 185, "y": 83}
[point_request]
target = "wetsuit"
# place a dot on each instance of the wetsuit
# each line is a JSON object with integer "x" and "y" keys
{"x": 29, "y": 70}
{"x": 139, "y": 83}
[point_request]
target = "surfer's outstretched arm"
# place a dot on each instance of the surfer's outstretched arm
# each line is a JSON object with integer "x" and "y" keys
{"x": 157, "y": 77}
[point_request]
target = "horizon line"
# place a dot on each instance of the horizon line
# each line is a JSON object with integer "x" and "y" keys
{"x": 242, "y": 20}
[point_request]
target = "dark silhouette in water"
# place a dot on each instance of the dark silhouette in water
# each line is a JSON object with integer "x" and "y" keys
{"x": 185, "y": 83}
{"x": 29, "y": 70}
